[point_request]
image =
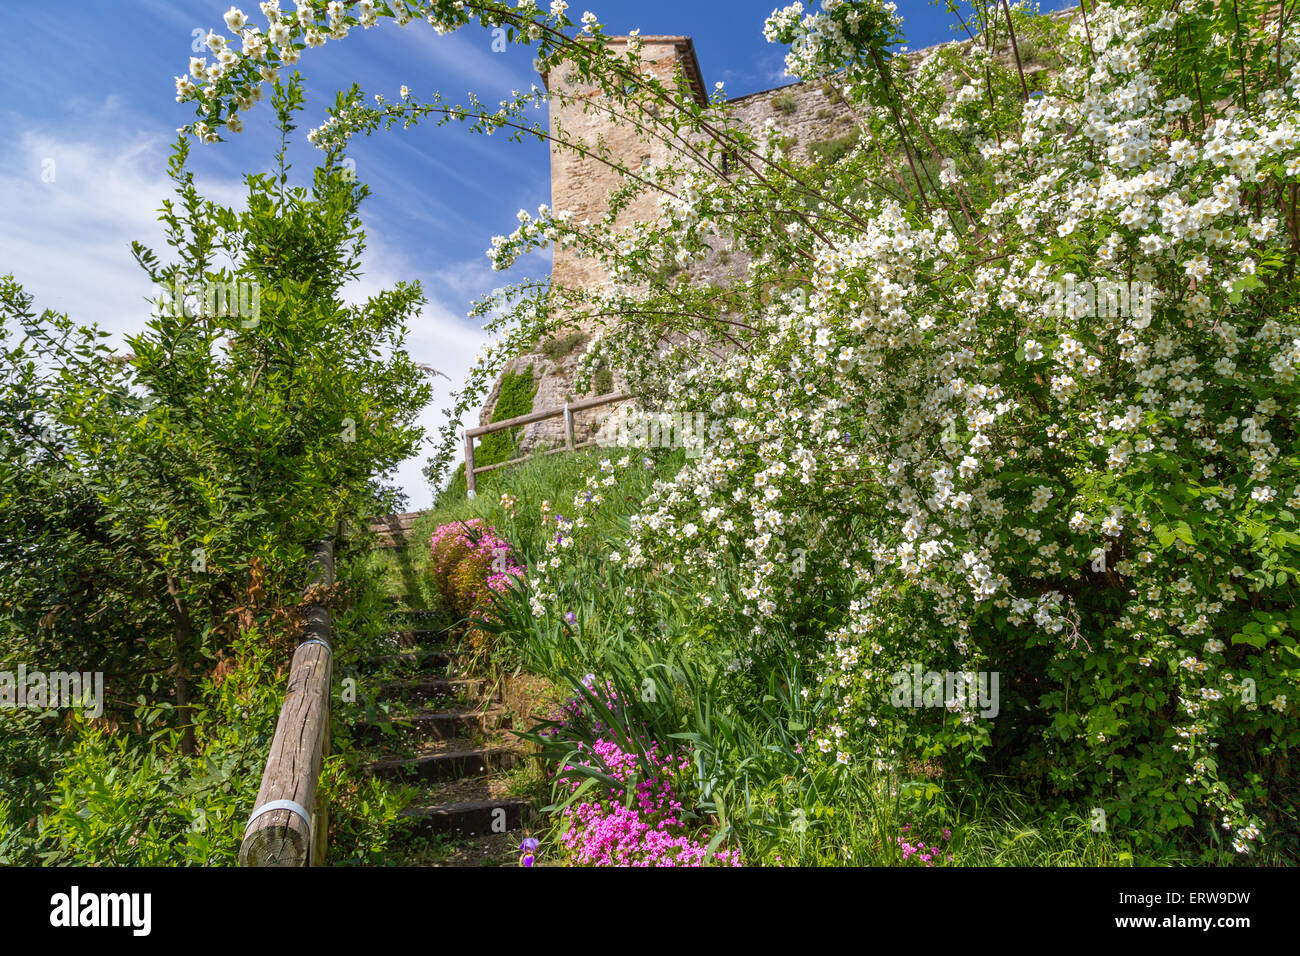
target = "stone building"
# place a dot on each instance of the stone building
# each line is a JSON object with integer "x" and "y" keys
{"x": 806, "y": 112}
{"x": 810, "y": 116}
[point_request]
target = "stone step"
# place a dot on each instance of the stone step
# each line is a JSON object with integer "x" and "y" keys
{"x": 429, "y": 689}
{"x": 438, "y": 725}
{"x": 413, "y": 636}
{"x": 450, "y": 765}
{"x": 469, "y": 818}
{"x": 421, "y": 656}
{"x": 399, "y": 608}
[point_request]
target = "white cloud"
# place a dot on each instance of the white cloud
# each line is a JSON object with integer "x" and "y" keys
{"x": 440, "y": 336}
{"x": 68, "y": 242}
{"x": 72, "y": 209}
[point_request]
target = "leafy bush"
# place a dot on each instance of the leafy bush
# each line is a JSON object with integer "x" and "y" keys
{"x": 834, "y": 149}
{"x": 470, "y": 561}
{"x": 156, "y": 506}
{"x": 514, "y": 399}
{"x": 602, "y": 381}
{"x": 557, "y": 347}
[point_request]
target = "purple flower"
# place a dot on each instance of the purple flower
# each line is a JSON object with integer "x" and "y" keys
{"x": 530, "y": 845}
{"x": 571, "y": 617}
{"x": 527, "y": 860}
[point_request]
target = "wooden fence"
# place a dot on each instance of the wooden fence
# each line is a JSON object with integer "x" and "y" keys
{"x": 567, "y": 411}
{"x": 392, "y": 531}
{"x": 289, "y": 826}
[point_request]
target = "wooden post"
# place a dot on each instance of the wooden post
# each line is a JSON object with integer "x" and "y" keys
{"x": 567, "y": 411}
{"x": 469, "y": 465}
{"x": 294, "y": 832}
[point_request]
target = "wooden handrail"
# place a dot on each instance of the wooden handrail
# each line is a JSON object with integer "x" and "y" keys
{"x": 531, "y": 417}
{"x": 287, "y": 827}
{"x": 567, "y": 411}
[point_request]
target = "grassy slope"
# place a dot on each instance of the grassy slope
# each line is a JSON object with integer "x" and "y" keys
{"x": 868, "y": 813}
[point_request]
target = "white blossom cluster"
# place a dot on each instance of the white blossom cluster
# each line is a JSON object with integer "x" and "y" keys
{"x": 1000, "y": 452}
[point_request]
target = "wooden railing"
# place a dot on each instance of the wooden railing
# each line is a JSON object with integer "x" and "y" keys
{"x": 391, "y": 531}
{"x": 289, "y": 826}
{"x": 567, "y": 411}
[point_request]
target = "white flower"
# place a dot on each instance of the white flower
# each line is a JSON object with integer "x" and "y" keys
{"x": 1033, "y": 351}
{"x": 235, "y": 20}
{"x": 1197, "y": 268}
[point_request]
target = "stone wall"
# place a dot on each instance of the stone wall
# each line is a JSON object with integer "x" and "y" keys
{"x": 580, "y": 184}
{"x": 807, "y": 113}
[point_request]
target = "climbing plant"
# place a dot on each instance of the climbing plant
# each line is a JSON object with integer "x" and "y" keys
{"x": 1031, "y": 340}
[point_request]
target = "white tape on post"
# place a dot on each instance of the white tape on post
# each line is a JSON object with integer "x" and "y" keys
{"x": 289, "y": 805}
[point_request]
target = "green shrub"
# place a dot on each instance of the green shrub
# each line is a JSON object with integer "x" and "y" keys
{"x": 558, "y": 347}
{"x": 833, "y": 150}
{"x": 785, "y": 103}
{"x": 515, "y": 399}
{"x": 154, "y": 518}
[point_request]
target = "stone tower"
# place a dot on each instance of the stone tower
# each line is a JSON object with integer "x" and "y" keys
{"x": 807, "y": 113}
{"x": 580, "y": 184}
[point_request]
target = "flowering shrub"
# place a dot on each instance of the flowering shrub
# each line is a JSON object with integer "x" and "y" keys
{"x": 939, "y": 444}
{"x": 469, "y": 560}
{"x": 914, "y": 848}
{"x": 637, "y": 817}
{"x": 640, "y": 829}
{"x": 997, "y": 471}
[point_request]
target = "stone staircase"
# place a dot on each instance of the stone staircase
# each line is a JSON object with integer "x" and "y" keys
{"x": 392, "y": 531}
{"x": 449, "y": 737}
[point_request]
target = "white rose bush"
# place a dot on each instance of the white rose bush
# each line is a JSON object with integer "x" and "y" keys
{"x": 1010, "y": 388}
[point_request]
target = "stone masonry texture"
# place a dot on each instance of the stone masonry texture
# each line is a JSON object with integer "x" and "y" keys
{"x": 807, "y": 113}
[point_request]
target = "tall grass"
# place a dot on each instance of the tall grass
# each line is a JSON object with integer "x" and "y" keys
{"x": 687, "y": 679}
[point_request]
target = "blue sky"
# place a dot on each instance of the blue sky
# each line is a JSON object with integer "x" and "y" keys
{"x": 88, "y": 116}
